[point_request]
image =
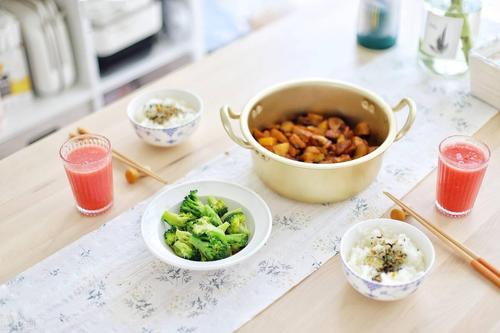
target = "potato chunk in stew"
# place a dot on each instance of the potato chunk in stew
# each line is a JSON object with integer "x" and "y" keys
{"x": 316, "y": 138}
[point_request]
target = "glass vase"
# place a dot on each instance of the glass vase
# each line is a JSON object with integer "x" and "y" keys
{"x": 449, "y": 30}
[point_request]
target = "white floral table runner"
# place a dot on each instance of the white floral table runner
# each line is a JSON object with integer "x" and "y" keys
{"x": 107, "y": 281}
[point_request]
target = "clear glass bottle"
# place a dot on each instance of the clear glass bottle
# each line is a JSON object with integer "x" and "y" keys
{"x": 449, "y": 30}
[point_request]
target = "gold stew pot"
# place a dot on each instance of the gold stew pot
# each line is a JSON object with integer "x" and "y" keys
{"x": 318, "y": 183}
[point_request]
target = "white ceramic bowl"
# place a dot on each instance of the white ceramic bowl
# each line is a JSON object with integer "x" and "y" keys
{"x": 166, "y": 136}
{"x": 259, "y": 221}
{"x": 376, "y": 290}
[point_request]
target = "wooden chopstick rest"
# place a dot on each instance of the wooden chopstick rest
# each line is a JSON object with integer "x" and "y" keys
{"x": 132, "y": 175}
{"x": 398, "y": 214}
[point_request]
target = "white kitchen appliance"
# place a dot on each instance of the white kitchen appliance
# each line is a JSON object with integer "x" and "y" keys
{"x": 15, "y": 82}
{"x": 47, "y": 44}
{"x": 117, "y": 25}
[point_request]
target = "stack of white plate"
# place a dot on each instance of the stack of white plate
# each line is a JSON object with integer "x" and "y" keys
{"x": 484, "y": 62}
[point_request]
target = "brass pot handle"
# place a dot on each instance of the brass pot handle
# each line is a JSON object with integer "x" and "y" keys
{"x": 412, "y": 112}
{"x": 226, "y": 114}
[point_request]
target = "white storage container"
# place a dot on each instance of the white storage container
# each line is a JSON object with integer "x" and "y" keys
{"x": 484, "y": 62}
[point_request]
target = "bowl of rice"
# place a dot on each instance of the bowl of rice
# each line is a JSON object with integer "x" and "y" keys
{"x": 165, "y": 117}
{"x": 386, "y": 259}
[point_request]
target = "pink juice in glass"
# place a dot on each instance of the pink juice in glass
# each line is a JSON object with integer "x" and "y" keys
{"x": 461, "y": 168}
{"x": 87, "y": 161}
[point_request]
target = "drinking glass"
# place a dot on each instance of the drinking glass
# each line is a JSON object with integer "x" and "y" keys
{"x": 87, "y": 161}
{"x": 461, "y": 167}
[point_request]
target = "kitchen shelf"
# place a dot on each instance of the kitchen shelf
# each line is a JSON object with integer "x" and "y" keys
{"x": 162, "y": 52}
{"x": 40, "y": 110}
{"x": 35, "y": 119}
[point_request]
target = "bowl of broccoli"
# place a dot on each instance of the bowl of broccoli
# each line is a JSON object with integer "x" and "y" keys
{"x": 206, "y": 225}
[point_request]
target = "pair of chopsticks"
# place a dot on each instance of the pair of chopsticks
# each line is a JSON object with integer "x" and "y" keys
{"x": 479, "y": 264}
{"x": 128, "y": 161}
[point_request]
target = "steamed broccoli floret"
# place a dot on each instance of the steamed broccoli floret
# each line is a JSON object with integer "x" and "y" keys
{"x": 214, "y": 248}
{"x": 237, "y": 241}
{"x": 218, "y": 205}
{"x": 190, "y": 201}
{"x": 177, "y": 220}
{"x": 236, "y": 218}
{"x": 198, "y": 232}
{"x": 203, "y": 226}
{"x": 193, "y": 205}
{"x": 223, "y": 227}
{"x": 170, "y": 236}
{"x": 183, "y": 236}
{"x": 184, "y": 250}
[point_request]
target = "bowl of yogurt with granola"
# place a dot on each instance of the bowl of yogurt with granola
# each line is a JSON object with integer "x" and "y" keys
{"x": 385, "y": 259}
{"x": 165, "y": 117}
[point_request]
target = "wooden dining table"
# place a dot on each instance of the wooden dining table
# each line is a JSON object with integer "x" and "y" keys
{"x": 38, "y": 215}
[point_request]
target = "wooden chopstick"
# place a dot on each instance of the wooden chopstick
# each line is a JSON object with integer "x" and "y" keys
{"x": 123, "y": 158}
{"x": 450, "y": 238}
{"x": 139, "y": 167}
{"x": 478, "y": 263}
{"x": 441, "y": 231}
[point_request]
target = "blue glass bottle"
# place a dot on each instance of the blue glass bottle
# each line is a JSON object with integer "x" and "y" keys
{"x": 378, "y": 23}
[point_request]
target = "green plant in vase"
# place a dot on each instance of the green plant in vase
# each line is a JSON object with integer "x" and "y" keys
{"x": 448, "y": 35}
{"x": 456, "y": 10}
